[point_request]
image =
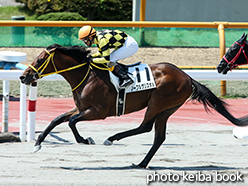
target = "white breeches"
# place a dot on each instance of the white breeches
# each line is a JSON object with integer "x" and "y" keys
{"x": 129, "y": 48}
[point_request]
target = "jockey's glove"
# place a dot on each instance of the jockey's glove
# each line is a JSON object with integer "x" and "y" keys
{"x": 89, "y": 59}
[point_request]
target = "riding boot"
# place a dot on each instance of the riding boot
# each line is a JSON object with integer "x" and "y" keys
{"x": 125, "y": 80}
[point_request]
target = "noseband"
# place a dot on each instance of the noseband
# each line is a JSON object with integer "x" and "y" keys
{"x": 231, "y": 63}
{"x": 41, "y": 69}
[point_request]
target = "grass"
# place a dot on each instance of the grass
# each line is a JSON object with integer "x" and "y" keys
{"x": 235, "y": 89}
{"x": 45, "y": 89}
{"x": 8, "y": 11}
{"x": 162, "y": 37}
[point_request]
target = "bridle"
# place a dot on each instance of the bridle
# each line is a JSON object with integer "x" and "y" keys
{"x": 41, "y": 69}
{"x": 241, "y": 50}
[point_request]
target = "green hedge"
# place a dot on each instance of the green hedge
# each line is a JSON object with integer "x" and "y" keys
{"x": 96, "y": 10}
{"x": 62, "y": 16}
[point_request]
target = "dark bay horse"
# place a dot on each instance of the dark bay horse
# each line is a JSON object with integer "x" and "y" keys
{"x": 236, "y": 55}
{"x": 95, "y": 96}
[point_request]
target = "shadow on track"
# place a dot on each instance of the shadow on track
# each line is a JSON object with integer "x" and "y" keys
{"x": 191, "y": 168}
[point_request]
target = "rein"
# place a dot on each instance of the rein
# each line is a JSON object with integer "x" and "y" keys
{"x": 41, "y": 69}
{"x": 241, "y": 50}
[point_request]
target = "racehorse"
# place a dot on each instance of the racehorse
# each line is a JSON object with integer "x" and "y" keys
{"x": 236, "y": 55}
{"x": 95, "y": 95}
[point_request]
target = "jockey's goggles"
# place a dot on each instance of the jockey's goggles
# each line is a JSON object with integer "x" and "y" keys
{"x": 84, "y": 41}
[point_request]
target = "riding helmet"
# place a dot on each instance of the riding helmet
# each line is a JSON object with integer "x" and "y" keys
{"x": 86, "y": 31}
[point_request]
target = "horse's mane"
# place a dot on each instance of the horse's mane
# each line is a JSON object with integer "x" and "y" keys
{"x": 77, "y": 52}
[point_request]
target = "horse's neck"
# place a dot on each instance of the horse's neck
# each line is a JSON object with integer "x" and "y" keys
{"x": 77, "y": 77}
{"x": 83, "y": 75}
{"x": 246, "y": 48}
{"x": 246, "y": 53}
{"x": 72, "y": 76}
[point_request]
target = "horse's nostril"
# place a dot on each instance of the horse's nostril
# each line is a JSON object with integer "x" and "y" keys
{"x": 22, "y": 77}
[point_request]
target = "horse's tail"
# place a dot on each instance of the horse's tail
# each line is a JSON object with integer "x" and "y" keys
{"x": 203, "y": 95}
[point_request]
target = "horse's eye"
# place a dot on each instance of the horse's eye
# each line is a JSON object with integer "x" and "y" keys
{"x": 38, "y": 61}
{"x": 232, "y": 49}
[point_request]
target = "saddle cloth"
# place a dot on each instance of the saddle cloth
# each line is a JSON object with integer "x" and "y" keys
{"x": 143, "y": 80}
{"x": 141, "y": 75}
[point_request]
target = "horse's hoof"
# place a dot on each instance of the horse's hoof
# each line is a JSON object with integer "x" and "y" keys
{"x": 107, "y": 142}
{"x": 137, "y": 166}
{"x": 37, "y": 148}
{"x": 90, "y": 141}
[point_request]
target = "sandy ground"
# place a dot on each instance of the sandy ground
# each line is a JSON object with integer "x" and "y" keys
{"x": 177, "y": 56}
{"x": 198, "y": 149}
{"x": 202, "y": 154}
{"x": 9, "y": 3}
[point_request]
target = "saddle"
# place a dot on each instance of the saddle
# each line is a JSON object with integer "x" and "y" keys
{"x": 127, "y": 66}
{"x": 143, "y": 80}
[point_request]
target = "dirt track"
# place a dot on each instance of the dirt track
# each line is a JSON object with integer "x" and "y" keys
{"x": 196, "y": 143}
{"x": 195, "y": 148}
{"x": 177, "y": 56}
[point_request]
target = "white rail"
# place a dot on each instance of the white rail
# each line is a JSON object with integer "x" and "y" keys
{"x": 15, "y": 74}
{"x": 8, "y": 75}
{"x": 236, "y": 75}
{"x": 196, "y": 74}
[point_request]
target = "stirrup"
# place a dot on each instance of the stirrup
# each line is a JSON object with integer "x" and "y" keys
{"x": 126, "y": 83}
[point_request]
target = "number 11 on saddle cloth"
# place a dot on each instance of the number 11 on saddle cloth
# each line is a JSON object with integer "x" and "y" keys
{"x": 143, "y": 80}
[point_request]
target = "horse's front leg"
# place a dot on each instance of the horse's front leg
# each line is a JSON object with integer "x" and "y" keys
{"x": 58, "y": 120}
{"x": 88, "y": 114}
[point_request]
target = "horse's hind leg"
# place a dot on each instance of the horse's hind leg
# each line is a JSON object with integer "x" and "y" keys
{"x": 58, "y": 120}
{"x": 146, "y": 126}
{"x": 160, "y": 132}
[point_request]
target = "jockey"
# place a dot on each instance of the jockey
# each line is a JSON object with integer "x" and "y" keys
{"x": 123, "y": 44}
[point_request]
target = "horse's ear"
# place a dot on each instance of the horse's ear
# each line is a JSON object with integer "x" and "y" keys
{"x": 242, "y": 39}
{"x": 52, "y": 50}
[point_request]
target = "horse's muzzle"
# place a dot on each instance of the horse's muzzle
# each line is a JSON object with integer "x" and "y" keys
{"x": 222, "y": 67}
{"x": 219, "y": 68}
{"x": 27, "y": 80}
